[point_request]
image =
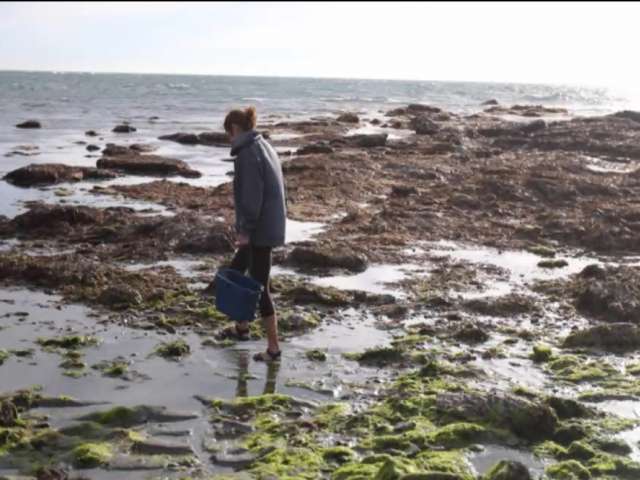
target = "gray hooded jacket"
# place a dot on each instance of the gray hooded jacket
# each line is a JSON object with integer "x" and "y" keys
{"x": 258, "y": 190}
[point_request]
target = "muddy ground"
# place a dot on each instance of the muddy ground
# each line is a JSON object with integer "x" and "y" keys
{"x": 460, "y": 301}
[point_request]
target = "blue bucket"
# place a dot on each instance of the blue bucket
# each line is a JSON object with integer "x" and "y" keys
{"x": 237, "y": 295}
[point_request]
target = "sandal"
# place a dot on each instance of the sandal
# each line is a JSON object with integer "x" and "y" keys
{"x": 233, "y": 332}
{"x": 267, "y": 356}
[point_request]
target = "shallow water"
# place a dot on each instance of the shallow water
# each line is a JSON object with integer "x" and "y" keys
{"x": 377, "y": 279}
{"x": 207, "y": 372}
{"x": 492, "y": 454}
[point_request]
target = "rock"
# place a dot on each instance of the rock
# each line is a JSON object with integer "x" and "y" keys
{"x": 526, "y": 418}
{"x": 141, "y": 148}
{"x": 127, "y": 417}
{"x": 29, "y": 124}
{"x": 315, "y": 148}
{"x": 348, "y": 118}
{"x": 423, "y": 125}
{"x": 612, "y": 295}
{"x": 227, "y": 428}
{"x": 112, "y": 150}
{"x": 533, "y": 127}
{"x": 403, "y": 191}
{"x": 52, "y": 173}
{"x": 92, "y": 148}
{"x": 368, "y": 140}
{"x": 508, "y": 470}
{"x": 322, "y": 259}
{"x": 237, "y": 458}
{"x": 123, "y": 129}
{"x": 156, "y": 447}
{"x": 148, "y": 165}
{"x": 120, "y": 296}
{"x": 216, "y": 139}
{"x": 375, "y": 121}
{"x": 507, "y": 305}
{"x": 203, "y": 243}
{"x": 619, "y": 335}
{"x": 91, "y": 133}
{"x": 211, "y": 139}
{"x": 493, "y": 101}
{"x": 628, "y": 114}
{"x": 416, "y": 107}
{"x": 50, "y": 473}
{"x": 8, "y": 414}
{"x": 471, "y": 334}
{"x": 183, "y": 138}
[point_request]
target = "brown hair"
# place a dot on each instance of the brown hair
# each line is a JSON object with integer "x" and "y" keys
{"x": 246, "y": 119}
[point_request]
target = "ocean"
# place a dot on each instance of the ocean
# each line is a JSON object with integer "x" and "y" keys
{"x": 68, "y": 104}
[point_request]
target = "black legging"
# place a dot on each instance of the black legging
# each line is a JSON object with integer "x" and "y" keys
{"x": 258, "y": 261}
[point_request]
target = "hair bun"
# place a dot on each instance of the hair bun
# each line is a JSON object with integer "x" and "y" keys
{"x": 251, "y": 117}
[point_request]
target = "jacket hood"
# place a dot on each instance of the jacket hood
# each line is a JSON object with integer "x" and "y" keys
{"x": 243, "y": 140}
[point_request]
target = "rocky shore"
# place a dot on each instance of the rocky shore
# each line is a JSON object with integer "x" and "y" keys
{"x": 508, "y": 249}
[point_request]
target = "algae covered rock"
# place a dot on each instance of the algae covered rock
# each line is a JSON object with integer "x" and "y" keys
{"x": 508, "y": 470}
{"x": 316, "y": 258}
{"x": 379, "y": 356}
{"x": 52, "y": 173}
{"x": 91, "y": 455}
{"x": 529, "y": 419}
{"x": 8, "y": 414}
{"x": 126, "y": 417}
{"x": 316, "y": 355}
{"x": 120, "y": 296}
{"x": 618, "y": 335}
{"x": 568, "y": 470}
{"x": 611, "y": 294}
{"x": 348, "y": 117}
{"x": 541, "y": 353}
{"x": 505, "y": 306}
{"x": 173, "y": 350}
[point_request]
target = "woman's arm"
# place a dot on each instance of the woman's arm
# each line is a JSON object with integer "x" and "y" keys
{"x": 251, "y": 190}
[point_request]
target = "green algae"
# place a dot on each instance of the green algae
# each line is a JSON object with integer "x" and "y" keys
{"x": 541, "y": 353}
{"x": 580, "y": 450}
{"x": 3, "y": 356}
{"x": 553, "y": 264}
{"x": 574, "y": 369}
{"x": 115, "y": 369}
{"x": 173, "y": 350}
{"x": 456, "y": 435}
{"x": 506, "y": 470}
{"x": 91, "y": 455}
{"x": 542, "y": 251}
{"x": 75, "y": 373}
{"x": 289, "y": 464}
{"x": 356, "y": 471}
{"x": 70, "y": 342}
{"x": 395, "y": 468}
{"x": 117, "y": 417}
{"x": 338, "y": 455}
{"x": 568, "y": 470}
{"x": 379, "y": 356}
{"x": 87, "y": 430}
{"x": 316, "y": 355}
{"x": 452, "y": 462}
{"x": 255, "y": 405}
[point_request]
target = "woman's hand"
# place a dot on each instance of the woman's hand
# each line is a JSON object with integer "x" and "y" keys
{"x": 242, "y": 240}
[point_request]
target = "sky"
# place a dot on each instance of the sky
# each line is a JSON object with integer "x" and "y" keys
{"x": 586, "y": 43}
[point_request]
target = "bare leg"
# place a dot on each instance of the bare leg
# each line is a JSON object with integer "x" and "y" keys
{"x": 271, "y": 328}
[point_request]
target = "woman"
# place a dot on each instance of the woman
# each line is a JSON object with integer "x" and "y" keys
{"x": 260, "y": 205}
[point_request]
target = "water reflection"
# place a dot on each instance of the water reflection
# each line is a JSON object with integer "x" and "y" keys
{"x": 271, "y": 379}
